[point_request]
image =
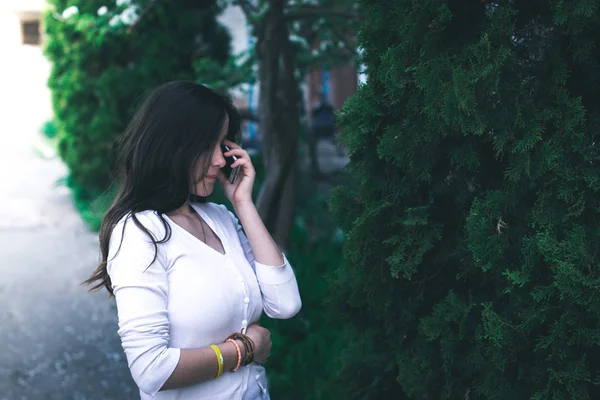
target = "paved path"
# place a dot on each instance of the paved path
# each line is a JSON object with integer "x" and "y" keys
{"x": 57, "y": 341}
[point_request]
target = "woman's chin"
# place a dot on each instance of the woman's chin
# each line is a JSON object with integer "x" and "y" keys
{"x": 204, "y": 191}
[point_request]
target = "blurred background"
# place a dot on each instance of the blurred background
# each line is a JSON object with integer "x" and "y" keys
{"x": 72, "y": 73}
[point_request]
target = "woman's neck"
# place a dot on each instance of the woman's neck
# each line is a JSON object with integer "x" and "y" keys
{"x": 185, "y": 209}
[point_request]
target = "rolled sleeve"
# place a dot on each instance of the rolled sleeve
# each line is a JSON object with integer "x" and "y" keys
{"x": 281, "y": 297}
{"x": 141, "y": 291}
{"x": 271, "y": 275}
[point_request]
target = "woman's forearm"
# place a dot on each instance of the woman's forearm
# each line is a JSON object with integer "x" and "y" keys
{"x": 263, "y": 246}
{"x": 201, "y": 365}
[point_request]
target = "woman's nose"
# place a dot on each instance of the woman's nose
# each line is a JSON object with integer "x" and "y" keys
{"x": 219, "y": 159}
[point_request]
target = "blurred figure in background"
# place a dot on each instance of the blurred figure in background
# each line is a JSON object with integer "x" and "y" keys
{"x": 322, "y": 126}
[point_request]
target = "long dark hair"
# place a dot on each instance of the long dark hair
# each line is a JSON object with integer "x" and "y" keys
{"x": 176, "y": 124}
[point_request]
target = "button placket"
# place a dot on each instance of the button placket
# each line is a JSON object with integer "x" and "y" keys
{"x": 246, "y": 298}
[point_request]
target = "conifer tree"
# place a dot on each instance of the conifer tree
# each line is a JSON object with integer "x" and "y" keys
{"x": 473, "y": 236}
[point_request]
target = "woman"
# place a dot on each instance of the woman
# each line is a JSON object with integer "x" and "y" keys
{"x": 189, "y": 285}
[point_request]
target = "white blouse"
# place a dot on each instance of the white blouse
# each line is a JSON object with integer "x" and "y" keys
{"x": 192, "y": 296}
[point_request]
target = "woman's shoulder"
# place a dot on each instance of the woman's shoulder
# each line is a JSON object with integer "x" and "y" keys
{"x": 135, "y": 242}
{"x": 148, "y": 219}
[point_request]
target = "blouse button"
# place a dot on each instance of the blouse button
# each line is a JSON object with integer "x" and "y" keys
{"x": 244, "y": 323}
{"x": 241, "y": 278}
{"x": 246, "y": 300}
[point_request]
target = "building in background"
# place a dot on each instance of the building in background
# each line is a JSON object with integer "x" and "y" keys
{"x": 21, "y": 22}
{"x": 25, "y": 98}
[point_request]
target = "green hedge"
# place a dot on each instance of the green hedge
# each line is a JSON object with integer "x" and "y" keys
{"x": 473, "y": 242}
{"x": 102, "y": 63}
{"x": 306, "y": 349}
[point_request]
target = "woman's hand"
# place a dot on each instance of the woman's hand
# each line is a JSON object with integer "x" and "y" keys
{"x": 241, "y": 191}
{"x": 261, "y": 338}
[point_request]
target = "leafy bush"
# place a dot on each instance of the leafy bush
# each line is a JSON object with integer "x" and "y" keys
{"x": 104, "y": 57}
{"x": 49, "y": 129}
{"x": 472, "y": 243}
{"x": 306, "y": 349}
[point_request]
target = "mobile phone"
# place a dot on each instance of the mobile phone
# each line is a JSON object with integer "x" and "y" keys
{"x": 230, "y": 173}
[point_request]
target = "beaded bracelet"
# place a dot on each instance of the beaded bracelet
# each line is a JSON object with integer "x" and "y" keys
{"x": 248, "y": 344}
{"x": 239, "y": 353}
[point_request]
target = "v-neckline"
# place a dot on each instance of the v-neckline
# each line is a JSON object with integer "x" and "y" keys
{"x": 211, "y": 226}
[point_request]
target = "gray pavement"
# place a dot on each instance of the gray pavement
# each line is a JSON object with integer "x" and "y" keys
{"x": 57, "y": 341}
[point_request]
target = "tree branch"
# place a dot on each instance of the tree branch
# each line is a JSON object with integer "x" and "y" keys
{"x": 349, "y": 44}
{"x": 247, "y": 7}
{"x": 306, "y": 12}
{"x": 141, "y": 16}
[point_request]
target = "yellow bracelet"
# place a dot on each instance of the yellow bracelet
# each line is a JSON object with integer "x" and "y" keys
{"x": 219, "y": 359}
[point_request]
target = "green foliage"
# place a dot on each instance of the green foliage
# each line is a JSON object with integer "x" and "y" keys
{"x": 328, "y": 39}
{"x": 49, "y": 129}
{"x": 472, "y": 234}
{"x": 306, "y": 349}
{"x": 236, "y": 71}
{"x": 104, "y": 57}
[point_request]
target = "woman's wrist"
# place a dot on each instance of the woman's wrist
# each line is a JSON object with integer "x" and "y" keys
{"x": 241, "y": 206}
{"x": 230, "y": 354}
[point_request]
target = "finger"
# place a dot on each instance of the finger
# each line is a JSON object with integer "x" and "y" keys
{"x": 231, "y": 144}
{"x": 238, "y": 162}
{"x": 243, "y": 161}
{"x": 237, "y": 152}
